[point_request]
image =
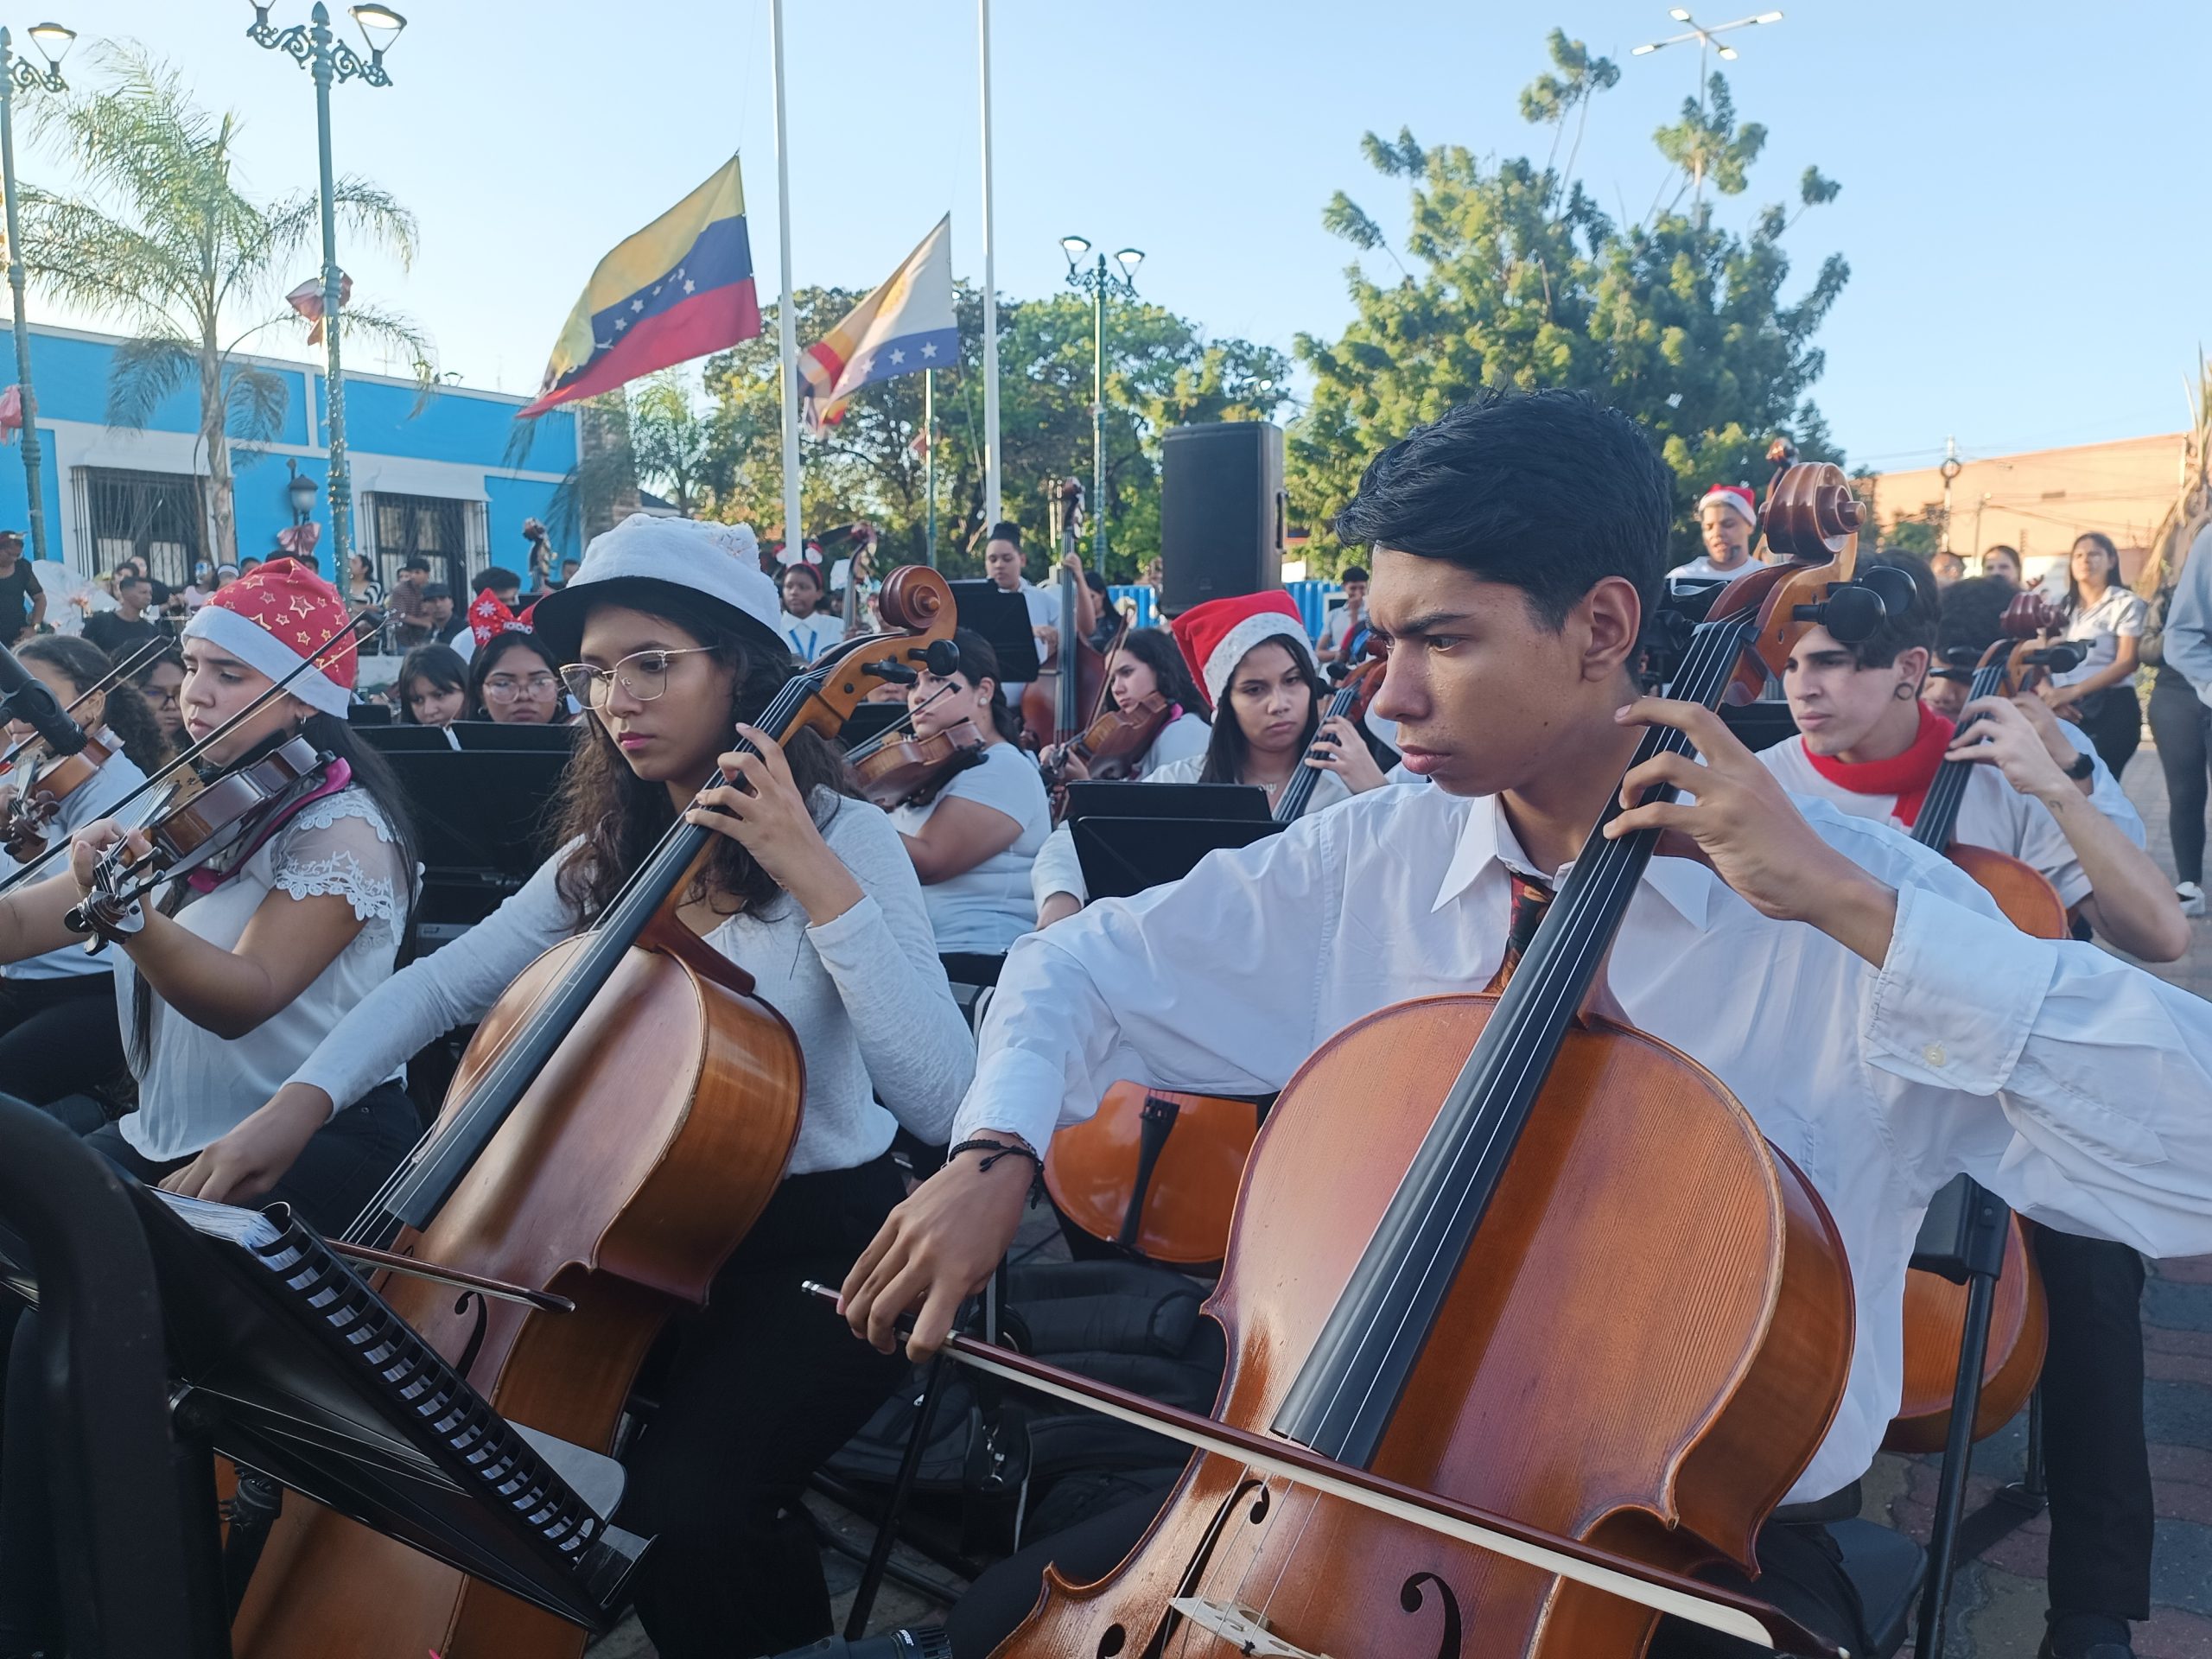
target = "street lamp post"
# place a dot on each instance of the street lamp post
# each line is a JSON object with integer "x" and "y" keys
{"x": 331, "y": 61}
{"x": 1098, "y": 282}
{"x": 1708, "y": 40}
{"x": 17, "y": 73}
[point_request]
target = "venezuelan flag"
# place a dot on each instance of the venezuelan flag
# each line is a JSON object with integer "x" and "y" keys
{"x": 679, "y": 288}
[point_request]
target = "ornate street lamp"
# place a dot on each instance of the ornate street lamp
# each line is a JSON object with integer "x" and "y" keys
{"x": 1098, "y": 282}
{"x": 19, "y": 74}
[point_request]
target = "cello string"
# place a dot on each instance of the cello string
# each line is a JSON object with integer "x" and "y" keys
{"x": 1545, "y": 968}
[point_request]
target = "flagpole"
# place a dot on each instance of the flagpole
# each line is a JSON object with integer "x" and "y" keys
{"x": 929, "y": 457}
{"x": 786, "y": 321}
{"x": 990, "y": 295}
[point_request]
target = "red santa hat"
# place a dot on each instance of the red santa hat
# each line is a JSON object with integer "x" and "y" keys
{"x": 1219, "y": 634}
{"x": 273, "y": 619}
{"x": 1736, "y": 498}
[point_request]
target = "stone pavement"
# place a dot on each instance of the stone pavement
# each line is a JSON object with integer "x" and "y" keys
{"x": 1998, "y": 1605}
{"x": 1998, "y": 1602}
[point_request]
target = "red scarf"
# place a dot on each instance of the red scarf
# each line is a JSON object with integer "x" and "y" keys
{"x": 1905, "y": 776}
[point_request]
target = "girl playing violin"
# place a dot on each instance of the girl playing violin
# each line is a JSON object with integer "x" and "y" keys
{"x": 974, "y": 838}
{"x": 1258, "y": 668}
{"x": 58, "y": 1029}
{"x": 670, "y": 641}
{"x": 225, "y": 985}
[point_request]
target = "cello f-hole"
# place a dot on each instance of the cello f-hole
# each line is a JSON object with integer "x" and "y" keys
{"x": 1194, "y": 1574}
{"x": 1410, "y": 1596}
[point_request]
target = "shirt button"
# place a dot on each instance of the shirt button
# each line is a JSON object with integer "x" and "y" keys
{"x": 1934, "y": 1056}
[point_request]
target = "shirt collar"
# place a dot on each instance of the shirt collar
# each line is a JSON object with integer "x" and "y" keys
{"x": 1485, "y": 838}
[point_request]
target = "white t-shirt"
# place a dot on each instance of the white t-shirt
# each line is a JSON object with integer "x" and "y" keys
{"x": 1992, "y": 814}
{"x": 1702, "y": 569}
{"x": 2119, "y": 615}
{"x": 809, "y": 636}
{"x": 1183, "y": 738}
{"x": 196, "y": 1086}
{"x": 1044, "y": 605}
{"x": 1337, "y": 628}
{"x": 117, "y": 776}
{"x": 986, "y": 909}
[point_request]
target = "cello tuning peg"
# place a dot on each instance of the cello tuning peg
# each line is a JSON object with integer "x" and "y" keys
{"x": 1893, "y": 586}
{"x": 941, "y": 659}
{"x": 1851, "y": 612}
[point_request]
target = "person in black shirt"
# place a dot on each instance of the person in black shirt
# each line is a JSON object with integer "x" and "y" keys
{"x": 126, "y": 628}
{"x": 23, "y": 601}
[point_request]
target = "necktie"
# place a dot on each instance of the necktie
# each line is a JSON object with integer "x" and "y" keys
{"x": 1530, "y": 899}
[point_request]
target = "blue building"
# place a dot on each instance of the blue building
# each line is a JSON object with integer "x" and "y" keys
{"x": 433, "y": 482}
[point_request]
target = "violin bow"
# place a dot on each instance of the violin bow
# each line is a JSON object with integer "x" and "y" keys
{"x": 176, "y": 763}
{"x": 895, "y": 730}
{"x": 1745, "y": 1617}
{"x": 115, "y": 675}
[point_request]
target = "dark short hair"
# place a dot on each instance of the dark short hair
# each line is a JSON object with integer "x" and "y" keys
{"x": 1973, "y": 618}
{"x": 1916, "y": 627}
{"x": 1005, "y": 530}
{"x": 804, "y": 568}
{"x": 495, "y": 577}
{"x": 1352, "y": 572}
{"x": 436, "y": 590}
{"x": 1549, "y": 491}
{"x": 132, "y": 578}
{"x": 415, "y": 561}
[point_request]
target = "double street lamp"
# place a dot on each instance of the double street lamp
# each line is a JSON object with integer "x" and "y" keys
{"x": 1098, "y": 282}
{"x": 19, "y": 74}
{"x": 331, "y": 61}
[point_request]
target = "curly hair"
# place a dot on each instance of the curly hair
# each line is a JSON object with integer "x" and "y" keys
{"x": 617, "y": 818}
{"x": 126, "y": 715}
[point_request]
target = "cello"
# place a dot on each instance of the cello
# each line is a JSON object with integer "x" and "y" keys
{"x": 1642, "y": 1326}
{"x": 1153, "y": 1172}
{"x": 1934, "y": 1307}
{"x": 618, "y": 1120}
{"x": 1059, "y": 704}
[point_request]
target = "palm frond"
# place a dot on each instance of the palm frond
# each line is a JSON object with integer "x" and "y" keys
{"x": 83, "y": 256}
{"x": 397, "y": 332}
{"x": 144, "y": 372}
{"x": 254, "y": 402}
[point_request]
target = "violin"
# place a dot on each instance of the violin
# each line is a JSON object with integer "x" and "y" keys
{"x": 1501, "y": 1253}
{"x": 619, "y": 1120}
{"x": 892, "y": 773}
{"x": 31, "y": 813}
{"x": 1153, "y": 1172}
{"x": 1934, "y": 1307}
{"x": 1111, "y": 743}
{"x": 202, "y": 824}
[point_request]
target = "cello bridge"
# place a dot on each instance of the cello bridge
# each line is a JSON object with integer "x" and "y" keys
{"x": 1245, "y": 1629}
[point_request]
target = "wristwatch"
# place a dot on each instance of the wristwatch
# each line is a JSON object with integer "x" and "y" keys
{"x": 2084, "y": 767}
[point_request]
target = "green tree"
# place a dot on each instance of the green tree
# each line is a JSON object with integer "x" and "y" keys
{"x": 171, "y": 244}
{"x": 1162, "y": 371}
{"x": 1511, "y": 276}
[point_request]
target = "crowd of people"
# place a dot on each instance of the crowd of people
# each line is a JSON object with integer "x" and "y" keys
{"x": 243, "y": 1039}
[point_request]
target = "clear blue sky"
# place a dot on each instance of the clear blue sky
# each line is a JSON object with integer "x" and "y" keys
{"x": 2023, "y": 202}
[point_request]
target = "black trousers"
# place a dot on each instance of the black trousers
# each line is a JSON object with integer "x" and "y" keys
{"x": 337, "y": 1173}
{"x": 2113, "y": 724}
{"x": 2178, "y": 719}
{"x": 2102, "y": 1516}
{"x": 1801, "y": 1575}
{"x": 767, "y": 1382}
{"x": 58, "y": 1036}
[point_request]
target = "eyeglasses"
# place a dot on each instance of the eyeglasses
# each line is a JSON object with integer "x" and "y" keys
{"x": 502, "y": 689}
{"x": 643, "y": 675}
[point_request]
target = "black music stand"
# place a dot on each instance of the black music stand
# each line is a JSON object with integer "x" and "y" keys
{"x": 1003, "y": 620}
{"x": 1122, "y": 857}
{"x": 868, "y": 721}
{"x": 283, "y": 1359}
{"x": 1106, "y": 798}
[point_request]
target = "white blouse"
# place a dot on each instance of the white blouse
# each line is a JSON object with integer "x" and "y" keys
{"x": 985, "y": 909}
{"x": 196, "y": 1087}
{"x": 863, "y": 992}
{"x": 2119, "y": 615}
{"x": 117, "y": 776}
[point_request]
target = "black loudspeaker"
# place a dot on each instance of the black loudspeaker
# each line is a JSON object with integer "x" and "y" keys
{"x": 1222, "y": 508}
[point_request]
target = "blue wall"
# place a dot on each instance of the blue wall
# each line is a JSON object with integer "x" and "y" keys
{"x": 70, "y": 374}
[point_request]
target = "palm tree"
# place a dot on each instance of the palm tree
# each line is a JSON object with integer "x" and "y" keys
{"x": 186, "y": 260}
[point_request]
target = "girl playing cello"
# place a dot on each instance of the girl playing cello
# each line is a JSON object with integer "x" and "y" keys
{"x": 670, "y": 636}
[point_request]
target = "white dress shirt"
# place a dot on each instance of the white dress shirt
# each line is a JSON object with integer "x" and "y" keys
{"x": 2071, "y": 1082}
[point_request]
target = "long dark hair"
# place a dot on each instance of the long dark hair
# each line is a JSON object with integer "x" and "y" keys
{"x": 126, "y": 715}
{"x": 442, "y": 665}
{"x": 2112, "y": 569}
{"x": 618, "y": 817}
{"x": 373, "y": 776}
{"x": 1227, "y": 748}
{"x": 487, "y": 658}
{"x": 1158, "y": 652}
{"x": 979, "y": 662}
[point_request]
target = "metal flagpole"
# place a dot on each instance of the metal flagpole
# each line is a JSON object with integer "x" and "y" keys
{"x": 929, "y": 457}
{"x": 991, "y": 479}
{"x": 787, "y": 320}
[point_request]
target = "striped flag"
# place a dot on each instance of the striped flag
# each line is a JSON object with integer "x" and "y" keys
{"x": 906, "y": 325}
{"x": 679, "y": 288}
